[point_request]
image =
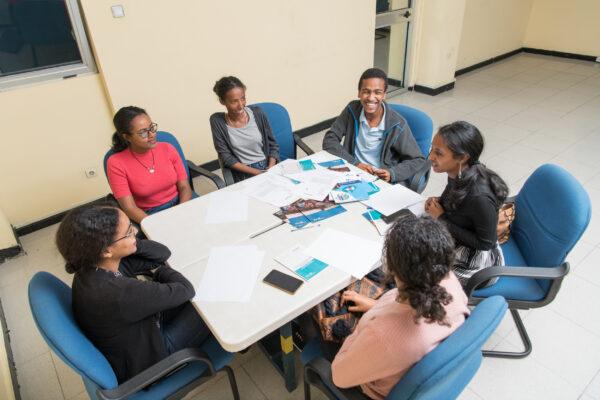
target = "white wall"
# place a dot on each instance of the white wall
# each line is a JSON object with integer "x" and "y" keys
{"x": 491, "y": 28}
{"x": 568, "y": 26}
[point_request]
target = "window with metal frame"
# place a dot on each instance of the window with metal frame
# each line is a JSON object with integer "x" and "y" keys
{"x": 42, "y": 40}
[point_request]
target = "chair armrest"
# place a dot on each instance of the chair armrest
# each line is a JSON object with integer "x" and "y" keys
{"x": 416, "y": 179}
{"x": 552, "y": 273}
{"x": 204, "y": 172}
{"x": 300, "y": 143}
{"x": 322, "y": 368}
{"x": 159, "y": 370}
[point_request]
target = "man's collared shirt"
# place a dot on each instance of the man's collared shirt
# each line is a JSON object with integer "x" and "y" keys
{"x": 369, "y": 142}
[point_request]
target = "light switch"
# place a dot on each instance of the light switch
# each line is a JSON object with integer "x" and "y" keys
{"x": 118, "y": 11}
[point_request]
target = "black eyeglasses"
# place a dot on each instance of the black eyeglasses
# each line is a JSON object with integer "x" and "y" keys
{"x": 130, "y": 232}
{"x": 145, "y": 132}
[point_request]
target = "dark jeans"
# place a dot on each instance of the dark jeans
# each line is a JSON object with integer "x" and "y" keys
{"x": 173, "y": 202}
{"x": 182, "y": 327}
{"x": 240, "y": 176}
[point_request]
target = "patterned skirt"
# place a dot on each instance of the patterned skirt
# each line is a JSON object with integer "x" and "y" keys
{"x": 468, "y": 261}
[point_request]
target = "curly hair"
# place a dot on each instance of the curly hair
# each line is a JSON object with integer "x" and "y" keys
{"x": 373, "y": 73}
{"x": 225, "y": 84}
{"x": 122, "y": 123}
{"x": 463, "y": 138}
{"x": 84, "y": 233}
{"x": 419, "y": 252}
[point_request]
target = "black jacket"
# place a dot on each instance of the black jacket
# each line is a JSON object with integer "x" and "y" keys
{"x": 120, "y": 314}
{"x": 400, "y": 154}
{"x": 474, "y": 222}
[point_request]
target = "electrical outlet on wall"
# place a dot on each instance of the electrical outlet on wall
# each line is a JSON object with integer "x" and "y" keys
{"x": 91, "y": 172}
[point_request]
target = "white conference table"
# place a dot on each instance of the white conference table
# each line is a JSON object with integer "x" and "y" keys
{"x": 238, "y": 325}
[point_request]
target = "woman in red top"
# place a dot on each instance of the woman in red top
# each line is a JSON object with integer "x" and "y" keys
{"x": 145, "y": 176}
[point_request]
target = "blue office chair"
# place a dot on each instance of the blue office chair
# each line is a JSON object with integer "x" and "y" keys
{"x": 173, "y": 377}
{"x": 441, "y": 374}
{"x": 279, "y": 119}
{"x": 189, "y": 165}
{"x": 552, "y": 212}
{"x": 422, "y": 129}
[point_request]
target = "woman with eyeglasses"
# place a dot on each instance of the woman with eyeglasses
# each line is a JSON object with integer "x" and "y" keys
{"x": 471, "y": 200}
{"x": 242, "y": 136}
{"x": 134, "y": 323}
{"x": 146, "y": 176}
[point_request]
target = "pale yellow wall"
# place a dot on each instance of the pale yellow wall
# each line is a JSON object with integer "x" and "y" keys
{"x": 7, "y": 238}
{"x": 166, "y": 56}
{"x": 51, "y": 133}
{"x": 491, "y": 28}
{"x": 437, "y": 32}
{"x": 568, "y": 26}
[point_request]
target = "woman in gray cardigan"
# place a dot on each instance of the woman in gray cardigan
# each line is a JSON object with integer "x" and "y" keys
{"x": 242, "y": 136}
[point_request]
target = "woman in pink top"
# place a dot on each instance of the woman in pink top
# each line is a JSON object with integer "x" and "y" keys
{"x": 145, "y": 176}
{"x": 406, "y": 323}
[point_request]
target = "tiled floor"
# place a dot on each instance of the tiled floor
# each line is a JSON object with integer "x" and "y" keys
{"x": 531, "y": 110}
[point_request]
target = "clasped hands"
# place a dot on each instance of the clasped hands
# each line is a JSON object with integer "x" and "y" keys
{"x": 382, "y": 174}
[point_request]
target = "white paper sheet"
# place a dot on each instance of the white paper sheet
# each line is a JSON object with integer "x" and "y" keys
{"x": 227, "y": 206}
{"x": 392, "y": 199}
{"x": 273, "y": 189}
{"x": 230, "y": 275}
{"x": 351, "y": 254}
{"x": 317, "y": 184}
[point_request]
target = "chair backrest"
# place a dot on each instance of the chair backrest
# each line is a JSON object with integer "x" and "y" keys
{"x": 50, "y": 303}
{"x": 446, "y": 371}
{"x": 420, "y": 124}
{"x": 552, "y": 212}
{"x": 279, "y": 119}
{"x": 161, "y": 136}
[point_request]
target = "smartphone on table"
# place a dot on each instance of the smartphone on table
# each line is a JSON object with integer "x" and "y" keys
{"x": 283, "y": 281}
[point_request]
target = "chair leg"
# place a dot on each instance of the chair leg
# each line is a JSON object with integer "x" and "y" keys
{"x": 232, "y": 382}
{"x": 306, "y": 386}
{"x": 524, "y": 338}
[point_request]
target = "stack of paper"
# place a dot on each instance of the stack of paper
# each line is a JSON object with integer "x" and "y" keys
{"x": 297, "y": 260}
{"x": 392, "y": 199}
{"x": 230, "y": 275}
{"x": 273, "y": 189}
{"x": 351, "y": 254}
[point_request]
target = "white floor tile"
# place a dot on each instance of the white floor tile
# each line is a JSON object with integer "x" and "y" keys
{"x": 38, "y": 379}
{"x": 589, "y": 269}
{"x": 573, "y": 302}
{"x": 70, "y": 382}
{"x": 562, "y": 346}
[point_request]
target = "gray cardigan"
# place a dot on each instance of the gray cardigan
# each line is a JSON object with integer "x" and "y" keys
{"x": 400, "y": 154}
{"x": 222, "y": 142}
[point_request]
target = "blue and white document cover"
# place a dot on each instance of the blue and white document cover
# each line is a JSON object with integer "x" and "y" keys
{"x": 297, "y": 260}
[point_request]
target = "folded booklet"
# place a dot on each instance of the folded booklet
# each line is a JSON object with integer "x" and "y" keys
{"x": 301, "y": 263}
{"x": 353, "y": 191}
{"x": 303, "y": 212}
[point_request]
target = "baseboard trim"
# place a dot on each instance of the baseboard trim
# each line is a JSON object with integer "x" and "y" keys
{"x": 316, "y": 128}
{"x": 488, "y": 62}
{"x": 432, "y": 91}
{"x": 9, "y": 252}
{"x": 561, "y": 54}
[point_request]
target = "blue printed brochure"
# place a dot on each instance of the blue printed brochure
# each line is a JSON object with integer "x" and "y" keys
{"x": 297, "y": 260}
{"x": 303, "y": 212}
{"x": 374, "y": 217}
{"x": 332, "y": 163}
{"x": 353, "y": 191}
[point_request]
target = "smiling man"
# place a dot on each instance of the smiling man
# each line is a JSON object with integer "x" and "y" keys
{"x": 375, "y": 138}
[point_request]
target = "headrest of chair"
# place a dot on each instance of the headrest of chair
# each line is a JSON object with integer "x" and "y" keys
{"x": 279, "y": 120}
{"x": 50, "y": 302}
{"x": 552, "y": 212}
{"x": 460, "y": 352}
